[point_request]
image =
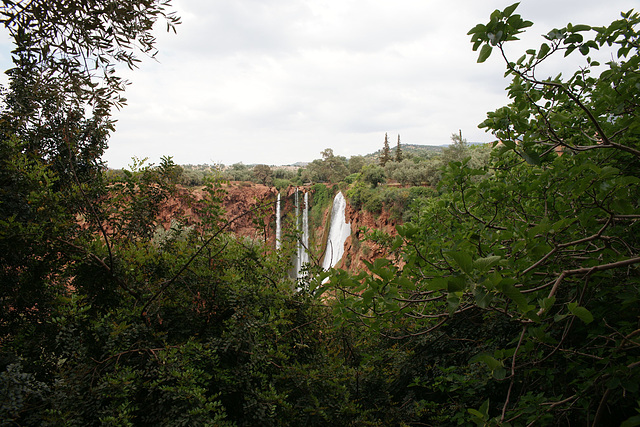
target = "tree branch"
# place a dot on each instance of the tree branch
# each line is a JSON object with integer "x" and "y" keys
{"x": 590, "y": 270}
{"x": 195, "y": 255}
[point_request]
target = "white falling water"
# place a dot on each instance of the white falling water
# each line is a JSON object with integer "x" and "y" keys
{"x": 303, "y": 229}
{"x": 278, "y": 224}
{"x": 339, "y": 230}
{"x": 304, "y": 255}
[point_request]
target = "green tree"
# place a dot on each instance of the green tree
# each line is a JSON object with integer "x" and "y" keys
{"x": 458, "y": 149}
{"x": 335, "y": 165}
{"x": 385, "y": 155}
{"x": 238, "y": 172}
{"x": 527, "y": 274}
{"x": 54, "y": 126}
{"x": 373, "y": 175}
{"x": 330, "y": 168}
{"x": 263, "y": 174}
{"x": 65, "y": 60}
{"x": 408, "y": 172}
{"x": 356, "y": 163}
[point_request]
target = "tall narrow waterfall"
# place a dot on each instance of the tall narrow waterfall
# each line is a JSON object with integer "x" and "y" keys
{"x": 302, "y": 256}
{"x": 339, "y": 230}
{"x": 278, "y": 224}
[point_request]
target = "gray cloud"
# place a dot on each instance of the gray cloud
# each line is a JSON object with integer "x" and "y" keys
{"x": 277, "y": 81}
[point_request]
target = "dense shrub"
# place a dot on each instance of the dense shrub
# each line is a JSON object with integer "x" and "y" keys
{"x": 350, "y": 179}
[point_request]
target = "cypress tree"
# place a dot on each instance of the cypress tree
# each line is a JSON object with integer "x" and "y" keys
{"x": 398, "y": 151}
{"x": 386, "y": 152}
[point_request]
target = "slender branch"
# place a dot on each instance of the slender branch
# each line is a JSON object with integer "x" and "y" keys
{"x": 196, "y": 254}
{"x": 603, "y": 401}
{"x": 540, "y": 261}
{"x": 481, "y": 221}
{"x": 299, "y": 327}
{"x": 104, "y": 265}
{"x": 560, "y": 402}
{"x": 417, "y": 334}
{"x": 607, "y": 143}
{"x": 117, "y": 356}
{"x": 513, "y": 374}
{"x": 88, "y": 203}
{"x": 564, "y": 245}
{"x": 590, "y": 270}
{"x": 418, "y": 301}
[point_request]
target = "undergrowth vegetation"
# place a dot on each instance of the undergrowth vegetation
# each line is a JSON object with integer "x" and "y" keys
{"x": 510, "y": 295}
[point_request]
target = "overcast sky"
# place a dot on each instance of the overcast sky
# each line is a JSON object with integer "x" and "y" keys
{"x": 278, "y": 81}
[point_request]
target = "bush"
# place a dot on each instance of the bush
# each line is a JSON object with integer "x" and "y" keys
{"x": 374, "y": 203}
{"x": 322, "y": 198}
{"x": 192, "y": 178}
{"x": 374, "y": 175}
{"x": 281, "y": 184}
{"x": 395, "y": 200}
{"x": 416, "y": 192}
{"x": 350, "y": 179}
{"x": 357, "y": 195}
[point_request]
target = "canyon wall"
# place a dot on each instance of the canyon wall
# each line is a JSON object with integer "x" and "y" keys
{"x": 260, "y": 223}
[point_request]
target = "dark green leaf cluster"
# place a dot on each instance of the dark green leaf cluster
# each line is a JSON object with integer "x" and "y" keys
{"x": 516, "y": 301}
{"x": 107, "y": 317}
{"x": 504, "y": 26}
{"x": 70, "y": 48}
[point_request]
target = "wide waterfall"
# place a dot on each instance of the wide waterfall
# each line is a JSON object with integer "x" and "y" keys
{"x": 339, "y": 230}
{"x": 278, "y": 224}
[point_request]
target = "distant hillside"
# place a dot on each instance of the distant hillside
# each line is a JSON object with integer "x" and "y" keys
{"x": 409, "y": 150}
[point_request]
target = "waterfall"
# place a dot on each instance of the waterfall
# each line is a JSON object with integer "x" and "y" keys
{"x": 296, "y": 261}
{"x": 303, "y": 228}
{"x": 339, "y": 230}
{"x": 304, "y": 255}
{"x": 278, "y": 224}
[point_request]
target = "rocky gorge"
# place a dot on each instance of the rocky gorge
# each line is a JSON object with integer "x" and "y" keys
{"x": 251, "y": 211}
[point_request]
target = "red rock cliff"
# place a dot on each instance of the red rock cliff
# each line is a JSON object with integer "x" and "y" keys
{"x": 243, "y": 197}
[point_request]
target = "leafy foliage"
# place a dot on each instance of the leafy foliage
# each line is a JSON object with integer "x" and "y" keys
{"x": 106, "y": 317}
{"x": 537, "y": 254}
{"x": 514, "y": 301}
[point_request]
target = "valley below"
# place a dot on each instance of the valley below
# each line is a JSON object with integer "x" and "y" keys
{"x": 251, "y": 210}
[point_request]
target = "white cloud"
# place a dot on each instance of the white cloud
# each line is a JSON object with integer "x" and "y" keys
{"x": 278, "y": 81}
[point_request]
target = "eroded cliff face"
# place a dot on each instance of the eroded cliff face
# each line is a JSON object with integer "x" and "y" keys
{"x": 257, "y": 198}
{"x": 357, "y": 248}
{"x": 246, "y": 205}
{"x": 252, "y": 209}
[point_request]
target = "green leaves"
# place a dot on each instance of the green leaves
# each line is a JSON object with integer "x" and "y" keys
{"x": 503, "y": 26}
{"x": 495, "y": 366}
{"x": 580, "y": 312}
{"x": 463, "y": 260}
{"x": 508, "y": 11}
{"x": 507, "y": 287}
{"x": 486, "y": 263}
{"x": 485, "y": 52}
